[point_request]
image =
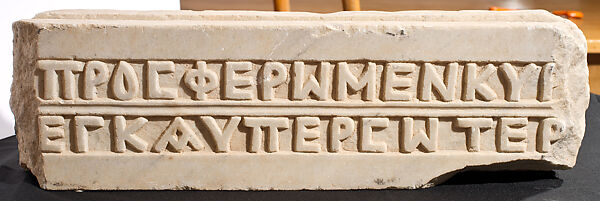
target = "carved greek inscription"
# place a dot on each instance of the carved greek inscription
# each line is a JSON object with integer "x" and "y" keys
{"x": 294, "y": 81}
{"x": 51, "y": 129}
{"x": 154, "y": 91}
{"x": 427, "y": 139}
{"x": 392, "y": 83}
{"x": 316, "y": 85}
{"x": 365, "y": 138}
{"x": 325, "y": 107}
{"x": 510, "y": 134}
{"x": 269, "y": 134}
{"x": 125, "y": 134}
{"x": 548, "y": 132}
{"x": 82, "y": 126}
{"x": 124, "y": 82}
{"x": 303, "y": 137}
{"x": 341, "y": 129}
{"x": 474, "y": 84}
{"x": 545, "y": 82}
{"x": 96, "y": 73}
{"x": 514, "y": 80}
{"x": 178, "y": 136}
{"x": 271, "y": 75}
{"x": 234, "y": 81}
{"x": 51, "y": 81}
{"x": 345, "y": 80}
{"x": 473, "y": 128}
{"x": 201, "y": 80}
{"x": 221, "y": 138}
{"x": 430, "y": 80}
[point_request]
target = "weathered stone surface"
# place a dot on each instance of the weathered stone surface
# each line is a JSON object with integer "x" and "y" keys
{"x": 262, "y": 100}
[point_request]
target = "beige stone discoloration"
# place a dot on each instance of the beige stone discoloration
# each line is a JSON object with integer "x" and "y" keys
{"x": 260, "y": 100}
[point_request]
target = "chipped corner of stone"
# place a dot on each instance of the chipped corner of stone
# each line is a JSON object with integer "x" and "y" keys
{"x": 571, "y": 53}
{"x": 564, "y": 152}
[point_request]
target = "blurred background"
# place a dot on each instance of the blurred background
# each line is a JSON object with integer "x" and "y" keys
{"x": 589, "y": 23}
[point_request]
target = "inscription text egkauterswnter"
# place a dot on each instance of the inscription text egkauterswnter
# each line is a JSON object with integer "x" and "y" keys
{"x": 207, "y": 103}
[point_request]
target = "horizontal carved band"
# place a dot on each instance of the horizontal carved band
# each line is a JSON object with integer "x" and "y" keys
{"x": 299, "y": 110}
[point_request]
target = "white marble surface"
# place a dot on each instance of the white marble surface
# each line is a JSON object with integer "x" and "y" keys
{"x": 262, "y": 100}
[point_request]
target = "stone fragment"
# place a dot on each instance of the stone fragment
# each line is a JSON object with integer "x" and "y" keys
{"x": 259, "y": 100}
